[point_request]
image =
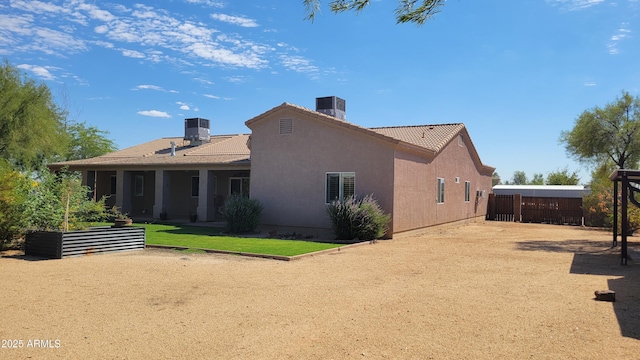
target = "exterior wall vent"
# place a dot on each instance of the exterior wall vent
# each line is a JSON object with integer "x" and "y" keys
{"x": 196, "y": 130}
{"x": 286, "y": 126}
{"x": 332, "y": 106}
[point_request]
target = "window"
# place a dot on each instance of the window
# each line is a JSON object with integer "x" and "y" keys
{"x": 239, "y": 186}
{"x": 286, "y": 126}
{"x": 113, "y": 185}
{"x": 467, "y": 191}
{"x": 440, "y": 191}
{"x": 139, "y": 185}
{"x": 195, "y": 186}
{"x": 340, "y": 186}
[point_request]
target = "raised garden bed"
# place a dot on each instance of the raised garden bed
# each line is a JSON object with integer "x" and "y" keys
{"x": 58, "y": 244}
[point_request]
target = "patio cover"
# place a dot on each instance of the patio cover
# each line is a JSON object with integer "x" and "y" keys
{"x": 630, "y": 180}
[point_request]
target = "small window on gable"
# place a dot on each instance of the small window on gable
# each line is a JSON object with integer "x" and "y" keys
{"x": 286, "y": 126}
{"x": 461, "y": 141}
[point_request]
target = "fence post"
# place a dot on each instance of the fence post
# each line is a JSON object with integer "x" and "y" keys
{"x": 491, "y": 207}
{"x": 517, "y": 207}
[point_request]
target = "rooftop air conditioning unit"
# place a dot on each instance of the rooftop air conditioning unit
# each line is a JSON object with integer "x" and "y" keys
{"x": 196, "y": 130}
{"x": 332, "y": 106}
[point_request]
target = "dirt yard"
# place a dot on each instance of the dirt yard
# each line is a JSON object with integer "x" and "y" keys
{"x": 476, "y": 291}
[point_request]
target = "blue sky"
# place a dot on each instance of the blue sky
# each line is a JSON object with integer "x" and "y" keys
{"x": 516, "y": 73}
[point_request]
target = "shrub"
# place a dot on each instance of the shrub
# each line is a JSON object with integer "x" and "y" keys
{"x": 13, "y": 191}
{"x": 241, "y": 213}
{"x": 60, "y": 202}
{"x": 358, "y": 219}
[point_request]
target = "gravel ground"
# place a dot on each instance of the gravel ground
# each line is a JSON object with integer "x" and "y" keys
{"x": 487, "y": 290}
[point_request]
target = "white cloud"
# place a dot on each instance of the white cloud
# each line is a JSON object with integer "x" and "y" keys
{"x": 235, "y": 79}
{"x": 148, "y": 87}
{"x": 133, "y": 54}
{"x": 215, "y": 97}
{"x": 104, "y": 44}
{"x": 573, "y": 5}
{"x": 217, "y": 4}
{"x": 204, "y": 81}
{"x": 39, "y": 71}
{"x": 183, "y": 106}
{"x": 101, "y": 29}
{"x": 298, "y": 64}
{"x": 235, "y": 20}
{"x": 590, "y": 84}
{"x": 60, "y": 28}
{"x": 621, "y": 34}
{"x": 154, "y": 113}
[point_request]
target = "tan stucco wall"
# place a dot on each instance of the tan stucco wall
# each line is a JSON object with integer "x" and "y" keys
{"x": 415, "y": 202}
{"x": 288, "y": 172}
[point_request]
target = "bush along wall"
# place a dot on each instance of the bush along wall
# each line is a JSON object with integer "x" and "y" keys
{"x": 241, "y": 213}
{"x": 358, "y": 219}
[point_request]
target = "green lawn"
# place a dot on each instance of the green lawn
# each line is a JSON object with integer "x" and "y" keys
{"x": 210, "y": 238}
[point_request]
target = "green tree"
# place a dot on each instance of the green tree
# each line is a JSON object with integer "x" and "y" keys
{"x": 519, "y": 178}
{"x": 495, "y": 179}
{"x": 609, "y": 133}
{"x": 87, "y": 142}
{"x": 538, "y": 179}
{"x": 414, "y": 11}
{"x": 562, "y": 177}
{"x": 13, "y": 193}
{"x": 31, "y": 125}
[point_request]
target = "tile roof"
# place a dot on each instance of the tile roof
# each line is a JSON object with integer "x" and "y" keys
{"x": 432, "y": 137}
{"x": 222, "y": 149}
{"x": 226, "y": 149}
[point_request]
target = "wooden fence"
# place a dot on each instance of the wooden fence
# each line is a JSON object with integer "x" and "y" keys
{"x": 535, "y": 209}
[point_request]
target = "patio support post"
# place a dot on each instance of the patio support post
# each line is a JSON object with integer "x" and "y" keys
{"x": 203, "y": 188}
{"x": 615, "y": 213}
{"x": 123, "y": 190}
{"x": 158, "y": 201}
{"x": 625, "y": 216}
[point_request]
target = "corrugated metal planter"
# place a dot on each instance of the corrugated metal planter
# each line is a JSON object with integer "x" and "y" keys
{"x": 58, "y": 245}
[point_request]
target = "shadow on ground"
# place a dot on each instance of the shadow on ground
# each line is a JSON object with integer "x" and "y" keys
{"x": 599, "y": 258}
{"x": 21, "y": 256}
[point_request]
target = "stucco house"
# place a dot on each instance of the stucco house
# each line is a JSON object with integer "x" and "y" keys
{"x": 295, "y": 162}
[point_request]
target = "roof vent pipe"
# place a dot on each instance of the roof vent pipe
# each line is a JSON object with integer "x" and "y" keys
{"x": 173, "y": 148}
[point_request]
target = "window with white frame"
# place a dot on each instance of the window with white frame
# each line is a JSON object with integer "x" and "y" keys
{"x": 340, "y": 185}
{"x": 139, "y": 185}
{"x": 440, "y": 193}
{"x": 467, "y": 191}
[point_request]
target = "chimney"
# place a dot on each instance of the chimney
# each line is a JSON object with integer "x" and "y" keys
{"x": 196, "y": 130}
{"x": 332, "y": 106}
{"x": 173, "y": 148}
